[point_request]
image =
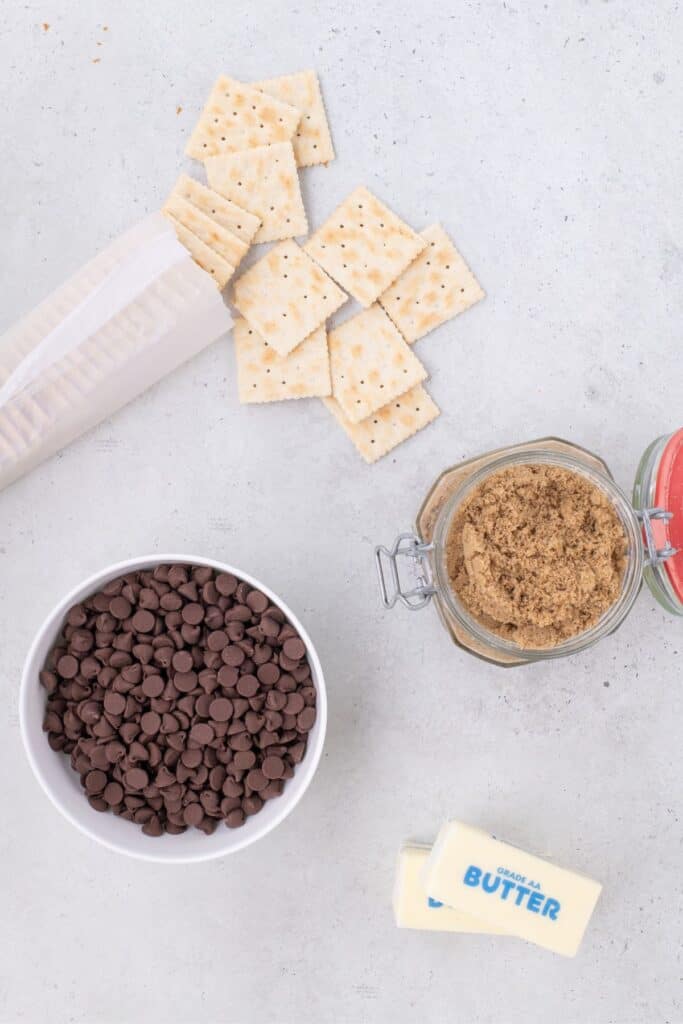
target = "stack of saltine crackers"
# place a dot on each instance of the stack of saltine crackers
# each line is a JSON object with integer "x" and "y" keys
{"x": 252, "y": 139}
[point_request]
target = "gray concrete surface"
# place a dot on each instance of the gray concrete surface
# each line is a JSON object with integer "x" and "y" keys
{"x": 547, "y": 138}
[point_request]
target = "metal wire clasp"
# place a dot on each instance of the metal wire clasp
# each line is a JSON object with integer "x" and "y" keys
{"x": 655, "y": 555}
{"x": 406, "y": 546}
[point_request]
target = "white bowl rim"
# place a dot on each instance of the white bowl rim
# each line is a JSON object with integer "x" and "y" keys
{"x": 54, "y": 619}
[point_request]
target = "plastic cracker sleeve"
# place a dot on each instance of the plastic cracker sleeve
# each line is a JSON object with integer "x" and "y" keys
{"x": 131, "y": 315}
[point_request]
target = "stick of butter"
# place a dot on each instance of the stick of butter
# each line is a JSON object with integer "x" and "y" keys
{"x": 413, "y": 908}
{"x": 508, "y": 889}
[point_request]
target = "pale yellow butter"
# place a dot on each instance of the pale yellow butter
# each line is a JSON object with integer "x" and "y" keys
{"x": 506, "y": 888}
{"x": 413, "y": 908}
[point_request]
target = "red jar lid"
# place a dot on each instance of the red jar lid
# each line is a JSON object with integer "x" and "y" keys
{"x": 669, "y": 495}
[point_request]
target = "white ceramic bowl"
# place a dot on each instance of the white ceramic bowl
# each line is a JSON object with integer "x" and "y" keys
{"x": 62, "y": 785}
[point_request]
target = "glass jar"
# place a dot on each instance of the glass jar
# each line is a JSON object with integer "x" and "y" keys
{"x": 414, "y": 572}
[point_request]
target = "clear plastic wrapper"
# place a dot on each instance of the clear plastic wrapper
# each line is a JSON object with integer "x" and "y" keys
{"x": 131, "y": 315}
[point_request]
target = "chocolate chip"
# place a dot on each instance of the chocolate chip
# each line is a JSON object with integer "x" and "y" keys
{"x": 273, "y": 767}
{"x": 306, "y": 720}
{"x": 153, "y": 827}
{"x": 193, "y": 614}
{"x": 185, "y": 682}
{"x": 268, "y": 673}
{"x": 191, "y": 758}
{"x": 227, "y": 676}
{"x": 217, "y": 640}
{"x": 193, "y": 814}
{"x": 295, "y": 704}
{"x": 143, "y": 621}
{"x": 256, "y": 779}
{"x": 77, "y": 615}
{"x": 244, "y": 759}
{"x": 181, "y": 697}
{"x": 252, "y": 804}
{"x": 233, "y": 656}
{"x": 239, "y": 613}
{"x": 275, "y": 700}
{"x": 95, "y": 781}
{"x": 120, "y": 608}
{"x": 152, "y": 686}
{"x": 99, "y": 759}
{"x": 113, "y": 793}
{"x": 247, "y": 686}
{"x": 67, "y": 666}
{"x": 294, "y": 648}
{"x": 136, "y": 778}
{"x": 114, "y": 703}
{"x": 150, "y": 722}
{"x": 226, "y": 584}
{"x": 114, "y": 751}
{"x": 269, "y": 627}
{"x": 257, "y": 601}
{"x": 235, "y": 818}
{"x": 202, "y": 733}
{"x": 220, "y": 709}
{"x": 182, "y": 661}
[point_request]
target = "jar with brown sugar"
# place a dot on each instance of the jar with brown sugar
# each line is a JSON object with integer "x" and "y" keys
{"x": 534, "y": 552}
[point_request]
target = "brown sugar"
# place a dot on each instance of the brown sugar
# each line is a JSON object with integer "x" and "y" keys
{"x": 536, "y": 554}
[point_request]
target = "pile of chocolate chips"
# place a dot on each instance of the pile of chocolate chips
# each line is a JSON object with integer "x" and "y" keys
{"x": 183, "y": 696}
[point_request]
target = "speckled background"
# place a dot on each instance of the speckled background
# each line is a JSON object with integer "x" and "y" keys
{"x": 547, "y": 138}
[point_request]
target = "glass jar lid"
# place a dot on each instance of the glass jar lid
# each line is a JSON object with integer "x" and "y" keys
{"x": 668, "y": 495}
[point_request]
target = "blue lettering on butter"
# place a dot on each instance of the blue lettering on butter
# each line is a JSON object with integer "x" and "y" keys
{"x": 527, "y": 896}
{"x": 522, "y": 891}
{"x": 490, "y": 884}
{"x": 535, "y": 901}
{"x": 551, "y": 910}
{"x": 472, "y": 876}
{"x": 433, "y": 903}
{"x": 507, "y": 885}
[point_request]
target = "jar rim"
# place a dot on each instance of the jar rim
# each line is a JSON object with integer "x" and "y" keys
{"x": 610, "y": 620}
